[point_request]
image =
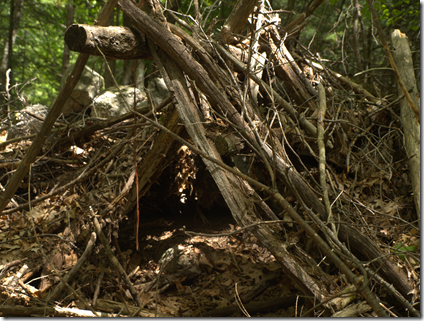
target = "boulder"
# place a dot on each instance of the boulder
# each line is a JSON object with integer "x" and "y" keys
{"x": 110, "y": 103}
{"x": 84, "y": 92}
{"x": 27, "y": 124}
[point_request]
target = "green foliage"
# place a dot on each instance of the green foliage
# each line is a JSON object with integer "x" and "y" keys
{"x": 87, "y": 11}
{"x": 403, "y": 14}
{"x": 397, "y": 14}
{"x": 400, "y": 250}
{"x": 209, "y": 9}
{"x": 329, "y": 32}
{"x": 38, "y": 50}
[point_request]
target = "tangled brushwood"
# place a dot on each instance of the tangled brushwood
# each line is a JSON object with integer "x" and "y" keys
{"x": 295, "y": 182}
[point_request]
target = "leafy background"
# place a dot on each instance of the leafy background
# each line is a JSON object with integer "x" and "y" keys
{"x": 39, "y": 46}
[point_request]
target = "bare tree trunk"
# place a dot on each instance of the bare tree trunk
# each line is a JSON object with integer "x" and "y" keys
{"x": 69, "y": 21}
{"x": 403, "y": 58}
{"x": 16, "y": 9}
{"x": 355, "y": 28}
{"x": 140, "y": 73}
{"x": 128, "y": 64}
{"x": 111, "y": 71}
{"x": 126, "y": 76}
{"x": 289, "y": 7}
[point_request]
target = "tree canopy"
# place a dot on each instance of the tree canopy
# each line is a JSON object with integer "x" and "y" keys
{"x": 39, "y": 45}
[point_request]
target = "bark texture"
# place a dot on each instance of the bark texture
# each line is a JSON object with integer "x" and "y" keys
{"x": 403, "y": 59}
{"x": 114, "y": 42}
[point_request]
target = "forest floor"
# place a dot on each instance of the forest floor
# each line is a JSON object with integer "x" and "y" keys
{"x": 225, "y": 267}
{"x": 216, "y": 268}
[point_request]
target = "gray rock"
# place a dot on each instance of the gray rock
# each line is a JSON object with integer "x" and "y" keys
{"x": 110, "y": 103}
{"x": 27, "y": 124}
{"x": 84, "y": 92}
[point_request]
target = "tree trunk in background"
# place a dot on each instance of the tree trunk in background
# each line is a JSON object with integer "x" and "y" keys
{"x": 16, "y": 9}
{"x": 111, "y": 62}
{"x": 411, "y": 127}
{"x": 69, "y": 21}
{"x": 356, "y": 34}
{"x": 128, "y": 74}
{"x": 289, "y": 7}
{"x": 108, "y": 77}
{"x": 140, "y": 73}
{"x": 128, "y": 64}
{"x": 366, "y": 54}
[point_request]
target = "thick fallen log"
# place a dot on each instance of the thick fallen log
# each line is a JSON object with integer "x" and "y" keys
{"x": 115, "y": 42}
